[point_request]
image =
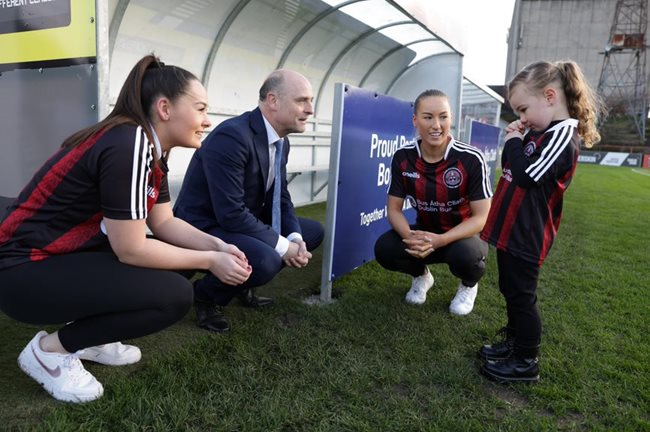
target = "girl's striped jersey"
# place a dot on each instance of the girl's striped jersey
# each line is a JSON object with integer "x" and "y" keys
{"x": 441, "y": 191}
{"x": 61, "y": 209}
{"x": 527, "y": 205}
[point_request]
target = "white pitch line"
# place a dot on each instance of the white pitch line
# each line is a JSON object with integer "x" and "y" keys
{"x": 642, "y": 172}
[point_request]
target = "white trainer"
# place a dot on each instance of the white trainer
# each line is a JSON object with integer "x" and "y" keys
{"x": 61, "y": 375}
{"x": 463, "y": 303}
{"x": 112, "y": 354}
{"x": 419, "y": 287}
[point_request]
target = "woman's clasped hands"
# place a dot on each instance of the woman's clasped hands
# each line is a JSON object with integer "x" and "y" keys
{"x": 230, "y": 265}
{"x": 422, "y": 243}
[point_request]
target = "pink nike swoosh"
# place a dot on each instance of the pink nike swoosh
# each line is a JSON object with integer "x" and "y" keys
{"x": 55, "y": 373}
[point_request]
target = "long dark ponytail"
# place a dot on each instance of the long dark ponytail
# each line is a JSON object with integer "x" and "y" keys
{"x": 148, "y": 80}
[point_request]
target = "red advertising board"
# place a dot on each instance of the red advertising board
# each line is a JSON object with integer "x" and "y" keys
{"x": 646, "y": 161}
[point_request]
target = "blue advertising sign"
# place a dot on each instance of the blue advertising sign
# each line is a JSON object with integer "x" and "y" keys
{"x": 485, "y": 137}
{"x": 372, "y": 127}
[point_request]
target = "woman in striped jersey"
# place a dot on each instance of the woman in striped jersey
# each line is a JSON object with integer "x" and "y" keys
{"x": 557, "y": 109}
{"x": 74, "y": 249}
{"x": 447, "y": 182}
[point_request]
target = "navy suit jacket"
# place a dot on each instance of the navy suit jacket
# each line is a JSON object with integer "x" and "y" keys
{"x": 224, "y": 186}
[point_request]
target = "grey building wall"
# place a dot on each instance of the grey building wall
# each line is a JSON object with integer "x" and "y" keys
{"x": 560, "y": 30}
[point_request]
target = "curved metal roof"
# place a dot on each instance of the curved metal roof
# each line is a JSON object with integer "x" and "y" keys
{"x": 232, "y": 45}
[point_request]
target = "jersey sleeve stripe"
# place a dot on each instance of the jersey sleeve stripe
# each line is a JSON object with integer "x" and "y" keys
{"x": 138, "y": 190}
{"x": 560, "y": 139}
{"x": 487, "y": 189}
{"x": 542, "y": 164}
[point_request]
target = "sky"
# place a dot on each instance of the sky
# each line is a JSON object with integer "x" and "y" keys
{"x": 476, "y": 28}
{"x": 484, "y": 25}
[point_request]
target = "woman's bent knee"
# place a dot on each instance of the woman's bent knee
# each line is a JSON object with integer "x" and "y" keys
{"x": 385, "y": 252}
{"x": 468, "y": 269}
{"x": 177, "y": 298}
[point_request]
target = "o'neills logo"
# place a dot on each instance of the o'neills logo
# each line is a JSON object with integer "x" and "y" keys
{"x": 529, "y": 148}
{"x": 452, "y": 177}
{"x": 414, "y": 175}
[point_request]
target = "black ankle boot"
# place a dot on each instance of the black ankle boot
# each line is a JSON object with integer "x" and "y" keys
{"x": 210, "y": 316}
{"x": 500, "y": 350}
{"x": 521, "y": 366}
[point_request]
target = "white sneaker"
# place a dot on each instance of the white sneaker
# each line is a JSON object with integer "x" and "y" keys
{"x": 112, "y": 354}
{"x": 61, "y": 375}
{"x": 463, "y": 303}
{"x": 419, "y": 287}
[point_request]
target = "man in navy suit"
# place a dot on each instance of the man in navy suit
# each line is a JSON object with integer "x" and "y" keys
{"x": 228, "y": 192}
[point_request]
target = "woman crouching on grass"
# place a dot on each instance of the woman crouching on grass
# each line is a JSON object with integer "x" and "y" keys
{"x": 448, "y": 184}
{"x": 73, "y": 247}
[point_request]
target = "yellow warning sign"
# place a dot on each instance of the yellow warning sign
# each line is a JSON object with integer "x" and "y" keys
{"x": 39, "y": 32}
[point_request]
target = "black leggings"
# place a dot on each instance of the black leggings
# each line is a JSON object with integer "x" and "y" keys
{"x": 101, "y": 299}
{"x": 518, "y": 284}
{"x": 465, "y": 257}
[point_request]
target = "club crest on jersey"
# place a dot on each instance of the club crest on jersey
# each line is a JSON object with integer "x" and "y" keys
{"x": 452, "y": 177}
{"x": 529, "y": 148}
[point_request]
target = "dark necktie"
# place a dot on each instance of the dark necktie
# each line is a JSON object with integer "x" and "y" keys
{"x": 276, "y": 214}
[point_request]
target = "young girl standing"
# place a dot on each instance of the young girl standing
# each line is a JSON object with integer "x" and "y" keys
{"x": 557, "y": 109}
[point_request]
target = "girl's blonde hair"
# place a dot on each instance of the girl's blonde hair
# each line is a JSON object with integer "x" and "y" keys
{"x": 582, "y": 101}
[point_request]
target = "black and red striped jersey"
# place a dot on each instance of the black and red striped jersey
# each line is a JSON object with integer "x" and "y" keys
{"x": 527, "y": 205}
{"x": 440, "y": 191}
{"x": 61, "y": 209}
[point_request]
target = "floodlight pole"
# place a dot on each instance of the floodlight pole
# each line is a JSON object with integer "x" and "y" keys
{"x": 623, "y": 76}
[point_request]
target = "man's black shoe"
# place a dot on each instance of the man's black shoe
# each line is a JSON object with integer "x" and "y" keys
{"x": 249, "y": 299}
{"x": 500, "y": 350}
{"x": 210, "y": 316}
{"x": 513, "y": 369}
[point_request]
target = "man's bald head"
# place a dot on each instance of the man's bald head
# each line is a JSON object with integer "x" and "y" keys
{"x": 286, "y": 101}
{"x": 277, "y": 81}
